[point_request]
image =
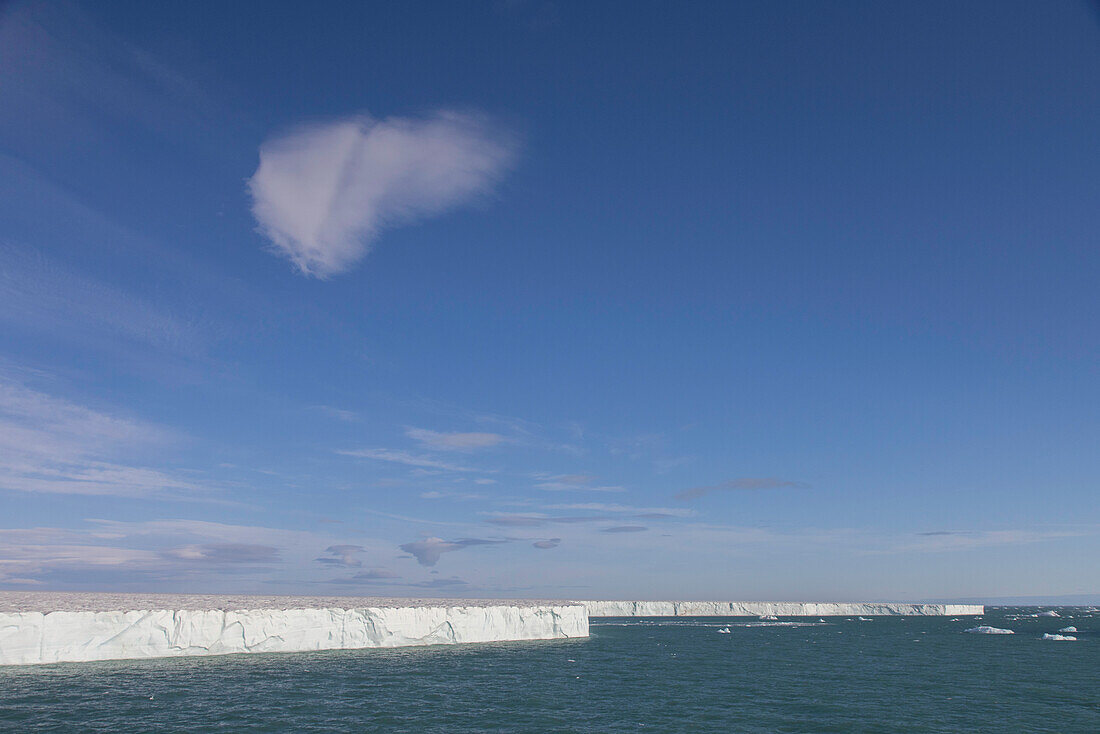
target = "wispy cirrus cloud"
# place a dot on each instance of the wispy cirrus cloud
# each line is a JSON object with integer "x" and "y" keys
{"x": 537, "y": 519}
{"x": 941, "y": 541}
{"x": 324, "y": 192}
{"x": 236, "y": 553}
{"x": 454, "y": 441}
{"x": 743, "y": 483}
{"x": 152, "y": 551}
{"x": 397, "y": 456}
{"x": 648, "y": 512}
{"x": 53, "y": 445}
{"x": 341, "y": 414}
{"x": 463, "y": 496}
{"x": 574, "y": 483}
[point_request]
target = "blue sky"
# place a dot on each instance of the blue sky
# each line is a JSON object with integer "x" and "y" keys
{"x": 533, "y": 299}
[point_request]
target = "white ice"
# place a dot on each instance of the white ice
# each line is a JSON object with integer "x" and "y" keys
{"x": 66, "y": 636}
{"x": 987, "y": 630}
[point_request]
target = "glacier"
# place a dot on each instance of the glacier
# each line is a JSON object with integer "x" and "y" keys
{"x": 77, "y": 636}
{"x": 39, "y": 627}
{"x": 773, "y": 609}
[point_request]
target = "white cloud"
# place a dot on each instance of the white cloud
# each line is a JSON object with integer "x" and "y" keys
{"x": 406, "y": 458}
{"x": 744, "y": 483}
{"x": 348, "y": 416}
{"x": 168, "y": 551}
{"x": 454, "y": 441}
{"x": 437, "y": 495}
{"x": 949, "y": 541}
{"x": 324, "y": 192}
{"x": 570, "y": 487}
{"x": 428, "y": 551}
{"x": 48, "y": 444}
{"x": 649, "y": 512}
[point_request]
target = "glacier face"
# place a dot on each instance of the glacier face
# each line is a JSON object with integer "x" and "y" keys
{"x": 30, "y": 637}
{"x": 73, "y": 629}
{"x": 778, "y": 609}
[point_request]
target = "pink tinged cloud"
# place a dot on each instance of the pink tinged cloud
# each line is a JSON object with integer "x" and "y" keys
{"x": 324, "y": 192}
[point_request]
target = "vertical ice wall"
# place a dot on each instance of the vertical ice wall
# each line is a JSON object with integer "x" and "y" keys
{"x": 778, "y": 609}
{"x": 71, "y": 636}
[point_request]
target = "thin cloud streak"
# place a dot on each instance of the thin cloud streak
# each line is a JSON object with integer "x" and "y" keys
{"x": 739, "y": 484}
{"x": 454, "y": 441}
{"x": 396, "y": 456}
{"x": 51, "y": 445}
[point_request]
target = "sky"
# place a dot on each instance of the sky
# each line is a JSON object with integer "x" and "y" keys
{"x": 750, "y": 301}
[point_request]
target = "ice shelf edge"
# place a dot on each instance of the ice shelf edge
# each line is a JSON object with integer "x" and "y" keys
{"x": 28, "y": 638}
{"x": 778, "y": 609}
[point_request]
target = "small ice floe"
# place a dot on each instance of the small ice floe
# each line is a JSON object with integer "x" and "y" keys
{"x": 1050, "y": 613}
{"x": 820, "y": 620}
{"x": 1068, "y": 629}
{"x": 768, "y": 617}
{"x": 985, "y": 629}
{"x": 724, "y": 631}
{"x": 1068, "y": 638}
{"x": 863, "y": 619}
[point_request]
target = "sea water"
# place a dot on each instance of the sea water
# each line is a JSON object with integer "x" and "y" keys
{"x": 889, "y": 674}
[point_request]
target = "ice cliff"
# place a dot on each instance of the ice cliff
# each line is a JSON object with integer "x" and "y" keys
{"x": 777, "y": 609}
{"x": 51, "y": 627}
{"x": 29, "y": 637}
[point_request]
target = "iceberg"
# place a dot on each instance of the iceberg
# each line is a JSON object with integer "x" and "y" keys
{"x": 1050, "y": 613}
{"x": 987, "y": 630}
{"x": 1068, "y": 629}
{"x": 1068, "y": 638}
{"x": 31, "y": 637}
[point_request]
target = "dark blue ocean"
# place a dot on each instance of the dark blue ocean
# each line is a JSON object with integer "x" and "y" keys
{"x": 670, "y": 675}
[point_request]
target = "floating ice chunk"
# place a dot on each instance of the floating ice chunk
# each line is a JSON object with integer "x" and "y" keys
{"x": 1068, "y": 629}
{"x": 863, "y": 619}
{"x": 985, "y": 629}
{"x": 1068, "y": 638}
{"x": 771, "y": 617}
{"x": 1049, "y": 613}
{"x": 724, "y": 631}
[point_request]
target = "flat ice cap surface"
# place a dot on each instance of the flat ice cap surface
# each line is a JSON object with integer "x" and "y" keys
{"x": 59, "y": 601}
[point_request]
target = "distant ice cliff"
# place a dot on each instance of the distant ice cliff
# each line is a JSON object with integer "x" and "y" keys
{"x": 771, "y": 609}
